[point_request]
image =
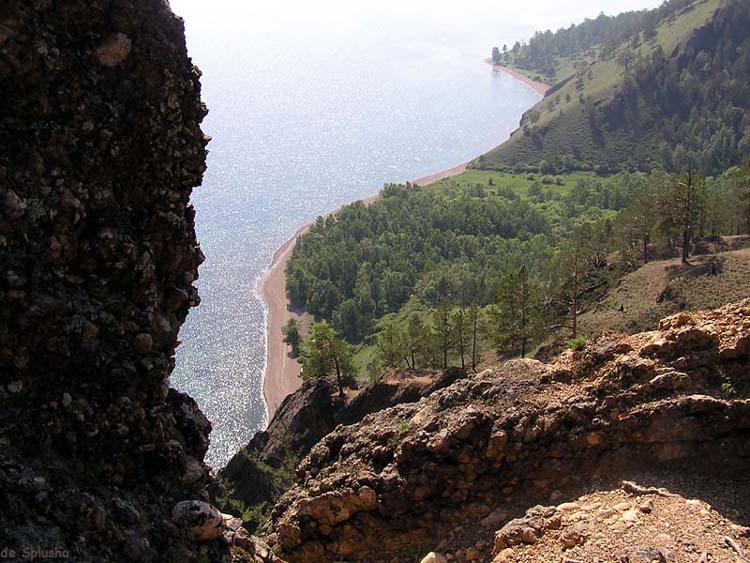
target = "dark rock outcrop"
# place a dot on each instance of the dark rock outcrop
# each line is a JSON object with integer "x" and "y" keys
{"x": 100, "y": 148}
{"x": 415, "y": 477}
{"x": 259, "y": 473}
{"x": 394, "y": 388}
{"x": 264, "y": 469}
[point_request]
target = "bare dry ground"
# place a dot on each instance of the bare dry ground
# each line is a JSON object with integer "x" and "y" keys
{"x": 662, "y": 288}
{"x": 687, "y": 518}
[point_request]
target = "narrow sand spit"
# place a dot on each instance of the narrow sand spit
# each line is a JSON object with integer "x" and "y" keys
{"x": 538, "y": 87}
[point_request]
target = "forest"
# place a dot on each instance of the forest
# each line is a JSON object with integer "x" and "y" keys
{"x": 643, "y": 154}
{"x": 680, "y": 96}
{"x": 700, "y": 99}
{"x": 433, "y": 275}
{"x": 542, "y": 52}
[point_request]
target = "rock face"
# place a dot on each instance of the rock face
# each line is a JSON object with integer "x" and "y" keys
{"x": 263, "y": 470}
{"x": 202, "y": 519}
{"x": 100, "y": 148}
{"x": 430, "y": 476}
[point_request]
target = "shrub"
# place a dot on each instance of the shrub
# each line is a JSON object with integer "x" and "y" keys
{"x": 577, "y": 344}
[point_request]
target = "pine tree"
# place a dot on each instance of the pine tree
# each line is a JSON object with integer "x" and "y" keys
{"x": 442, "y": 321}
{"x": 475, "y": 324}
{"x": 417, "y": 338}
{"x": 575, "y": 261}
{"x": 327, "y": 356}
{"x": 461, "y": 334}
{"x": 685, "y": 198}
{"x": 516, "y": 315}
{"x": 496, "y": 55}
{"x": 637, "y": 222}
{"x": 292, "y": 337}
{"x": 391, "y": 346}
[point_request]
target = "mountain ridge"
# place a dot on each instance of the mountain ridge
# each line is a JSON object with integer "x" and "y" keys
{"x": 622, "y": 109}
{"x": 397, "y": 484}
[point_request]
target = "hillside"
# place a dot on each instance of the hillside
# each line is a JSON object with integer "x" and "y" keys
{"x": 665, "y": 287}
{"x": 433, "y": 277}
{"x": 675, "y": 94}
{"x": 442, "y": 475}
{"x": 553, "y": 57}
{"x": 397, "y": 260}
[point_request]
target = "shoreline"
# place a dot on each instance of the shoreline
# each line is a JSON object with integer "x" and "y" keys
{"x": 538, "y": 87}
{"x": 281, "y": 375}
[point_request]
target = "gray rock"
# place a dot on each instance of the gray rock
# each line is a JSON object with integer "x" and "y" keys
{"x": 203, "y": 521}
{"x": 13, "y": 205}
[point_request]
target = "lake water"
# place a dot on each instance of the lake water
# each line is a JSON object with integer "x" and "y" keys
{"x": 303, "y": 122}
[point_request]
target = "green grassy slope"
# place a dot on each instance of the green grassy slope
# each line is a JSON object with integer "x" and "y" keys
{"x": 560, "y": 128}
{"x": 565, "y": 67}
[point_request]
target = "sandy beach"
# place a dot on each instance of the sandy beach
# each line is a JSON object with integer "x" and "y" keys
{"x": 282, "y": 371}
{"x": 538, "y": 87}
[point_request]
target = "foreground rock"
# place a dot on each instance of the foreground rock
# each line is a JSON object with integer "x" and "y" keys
{"x": 635, "y": 524}
{"x": 264, "y": 469}
{"x": 100, "y": 148}
{"x": 444, "y": 473}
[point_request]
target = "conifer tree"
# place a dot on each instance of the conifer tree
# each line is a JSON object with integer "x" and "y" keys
{"x": 391, "y": 346}
{"x": 442, "y": 321}
{"x": 328, "y": 356}
{"x": 292, "y": 337}
{"x": 516, "y": 315}
{"x": 496, "y": 55}
{"x": 461, "y": 330}
{"x": 575, "y": 262}
{"x": 475, "y": 324}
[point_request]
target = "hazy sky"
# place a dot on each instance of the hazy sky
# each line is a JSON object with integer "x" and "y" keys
{"x": 508, "y": 21}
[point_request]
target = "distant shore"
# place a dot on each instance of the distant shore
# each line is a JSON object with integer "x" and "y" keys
{"x": 281, "y": 377}
{"x": 538, "y": 87}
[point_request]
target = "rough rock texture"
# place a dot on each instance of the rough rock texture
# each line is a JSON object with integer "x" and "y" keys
{"x": 253, "y": 474}
{"x": 395, "y": 387}
{"x": 634, "y": 524}
{"x": 100, "y": 148}
{"x": 263, "y": 470}
{"x": 431, "y": 476}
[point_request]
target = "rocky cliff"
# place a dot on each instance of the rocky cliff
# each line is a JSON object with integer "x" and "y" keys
{"x": 100, "y": 148}
{"x": 445, "y": 473}
{"x": 258, "y": 474}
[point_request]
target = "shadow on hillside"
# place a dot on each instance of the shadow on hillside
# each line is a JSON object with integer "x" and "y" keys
{"x": 697, "y": 267}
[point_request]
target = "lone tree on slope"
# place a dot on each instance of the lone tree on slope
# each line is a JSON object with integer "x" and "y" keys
{"x": 327, "y": 356}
